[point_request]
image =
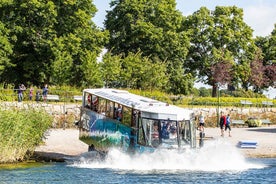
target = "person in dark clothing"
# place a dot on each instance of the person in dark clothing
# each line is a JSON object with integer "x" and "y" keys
{"x": 227, "y": 125}
{"x": 222, "y": 123}
{"x": 45, "y": 92}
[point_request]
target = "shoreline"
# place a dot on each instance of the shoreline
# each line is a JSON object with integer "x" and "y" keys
{"x": 61, "y": 143}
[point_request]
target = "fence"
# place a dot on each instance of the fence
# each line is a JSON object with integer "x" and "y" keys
{"x": 36, "y": 95}
{"x": 64, "y": 104}
{"x": 75, "y": 97}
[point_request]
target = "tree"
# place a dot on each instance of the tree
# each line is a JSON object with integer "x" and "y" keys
{"x": 258, "y": 78}
{"x": 83, "y": 37}
{"x": 31, "y": 23}
{"x": 110, "y": 68}
{"x": 50, "y": 41}
{"x": 221, "y": 70}
{"x": 140, "y": 72}
{"x": 5, "y": 48}
{"x": 272, "y": 48}
{"x": 62, "y": 63}
{"x": 268, "y": 49}
{"x": 220, "y": 31}
{"x": 204, "y": 92}
{"x": 154, "y": 28}
{"x": 91, "y": 76}
{"x": 270, "y": 70}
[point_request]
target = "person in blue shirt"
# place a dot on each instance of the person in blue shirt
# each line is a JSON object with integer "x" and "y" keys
{"x": 227, "y": 125}
{"x": 20, "y": 92}
{"x": 45, "y": 92}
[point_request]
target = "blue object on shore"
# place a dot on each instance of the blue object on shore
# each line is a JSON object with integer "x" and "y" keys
{"x": 247, "y": 144}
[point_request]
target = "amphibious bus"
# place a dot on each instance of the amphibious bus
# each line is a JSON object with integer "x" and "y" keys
{"x": 116, "y": 118}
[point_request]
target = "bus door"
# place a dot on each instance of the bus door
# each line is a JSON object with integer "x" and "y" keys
{"x": 187, "y": 133}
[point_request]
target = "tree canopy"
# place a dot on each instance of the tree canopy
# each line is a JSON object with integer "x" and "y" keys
{"x": 220, "y": 36}
{"x": 153, "y": 28}
{"x": 51, "y": 41}
{"x": 150, "y": 45}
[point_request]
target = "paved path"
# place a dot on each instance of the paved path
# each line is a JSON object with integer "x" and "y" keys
{"x": 264, "y": 136}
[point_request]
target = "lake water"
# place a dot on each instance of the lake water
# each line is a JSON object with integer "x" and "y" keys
{"x": 217, "y": 162}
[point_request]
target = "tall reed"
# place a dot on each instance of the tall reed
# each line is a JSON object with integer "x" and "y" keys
{"x": 21, "y": 130}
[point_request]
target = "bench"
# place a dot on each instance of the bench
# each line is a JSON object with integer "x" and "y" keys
{"x": 246, "y": 102}
{"x": 78, "y": 98}
{"x": 266, "y": 122}
{"x": 267, "y": 103}
{"x": 238, "y": 122}
{"x": 53, "y": 97}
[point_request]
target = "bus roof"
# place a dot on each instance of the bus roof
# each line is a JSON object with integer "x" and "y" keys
{"x": 148, "y": 107}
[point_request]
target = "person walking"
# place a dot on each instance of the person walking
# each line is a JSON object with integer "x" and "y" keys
{"x": 227, "y": 125}
{"x": 222, "y": 123}
{"x": 37, "y": 96}
{"x": 31, "y": 93}
{"x": 201, "y": 122}
{"x": 45, "y": 92}
{"x": 20, "y": 92}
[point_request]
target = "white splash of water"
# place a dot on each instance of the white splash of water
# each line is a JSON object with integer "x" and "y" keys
{"x": 217, "y": 155}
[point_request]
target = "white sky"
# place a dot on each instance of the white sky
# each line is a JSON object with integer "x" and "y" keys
{"x": 260, "y": 15}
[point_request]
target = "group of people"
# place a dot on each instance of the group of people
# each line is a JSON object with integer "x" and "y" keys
{"x": 168, "y": 130}
{"x": 225, "y": 123}
{"x": 22, "y": 88}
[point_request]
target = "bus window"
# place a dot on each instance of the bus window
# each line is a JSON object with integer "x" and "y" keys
{"x": 118, "y": 112}
{"x": 126, "y": 116}
{"x": 87, "y": 102}
{"x": 150, "y": 130}
{"x": 155, "y": 135}
{"x": 109, "y": 109}
{"x": 95, "y": 103}
{"x": 185, "y": 132}
{"x": 169, "y": 130}
{"x": 101, "y": 105}
{"x": 169, "y": 134}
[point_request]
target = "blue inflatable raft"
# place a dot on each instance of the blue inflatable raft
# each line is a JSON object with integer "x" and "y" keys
{"x": 247, "y": 144}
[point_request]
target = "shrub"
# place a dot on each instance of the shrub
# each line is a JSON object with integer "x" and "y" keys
{"x": 21, "y": 131}
{"x": 253, "y": 122}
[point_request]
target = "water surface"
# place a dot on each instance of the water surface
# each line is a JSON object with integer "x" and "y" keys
{"x": 217, "y": 162}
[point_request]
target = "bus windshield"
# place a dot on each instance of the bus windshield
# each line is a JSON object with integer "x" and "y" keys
{"x": 165, "y": 133}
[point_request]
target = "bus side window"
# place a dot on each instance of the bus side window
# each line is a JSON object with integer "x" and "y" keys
{"x": 95, "y": 103}
{"x": 119, "y": 113}
{"x": 102, "y": 106}
{"x": 109, "y": 109}
{"x": 88, "y": 101}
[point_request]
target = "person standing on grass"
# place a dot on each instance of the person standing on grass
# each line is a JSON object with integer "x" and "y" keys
{"x": 227, "y": 125}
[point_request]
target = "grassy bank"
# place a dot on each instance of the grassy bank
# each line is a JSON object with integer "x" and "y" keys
{"x": 21, "y": 131}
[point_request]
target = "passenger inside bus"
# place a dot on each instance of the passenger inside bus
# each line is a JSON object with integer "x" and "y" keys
{"x": 165, "y": 130}
{"x": 173, "y": 133}
{"x": 169, "y": 130}
{"x": 88, "y": 102}
{"x": 119, "y": 113}
{"x": 155, "y": 132}
{"x": 95, "y": 103}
